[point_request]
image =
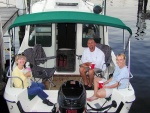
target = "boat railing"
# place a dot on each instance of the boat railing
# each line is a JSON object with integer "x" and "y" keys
{"x": 1, "y": 49}
{"x": 104, "y": 7}
{"x": 130, "y": 76}
{"x": 13, "y": 77}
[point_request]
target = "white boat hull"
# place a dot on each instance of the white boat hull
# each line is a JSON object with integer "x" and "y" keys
{"x": 17, "y": 100}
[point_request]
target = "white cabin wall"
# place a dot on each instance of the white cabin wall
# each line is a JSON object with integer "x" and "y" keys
{"x": 79, "y": 48}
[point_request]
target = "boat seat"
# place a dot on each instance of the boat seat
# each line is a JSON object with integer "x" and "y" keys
{"x": 27, "y": 102}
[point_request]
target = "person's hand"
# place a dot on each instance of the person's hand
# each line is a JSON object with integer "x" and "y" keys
{"x": 89, "y": 63}
{"x": 28, "y": 74}
{"x": 105, "y": 82}
{"x": 104, "y": 86}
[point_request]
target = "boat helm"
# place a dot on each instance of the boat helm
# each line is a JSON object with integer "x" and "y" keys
{"x": 71, "y": 97}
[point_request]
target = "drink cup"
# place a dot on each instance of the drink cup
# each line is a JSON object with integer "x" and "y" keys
{"x": 92, "y": 66}
{"x": 100, "y": 84}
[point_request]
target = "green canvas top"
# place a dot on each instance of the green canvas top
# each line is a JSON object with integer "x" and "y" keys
{"x": 69, "y": 17}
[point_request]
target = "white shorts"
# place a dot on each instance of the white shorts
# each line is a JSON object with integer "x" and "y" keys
{"x": 108, "y": 91}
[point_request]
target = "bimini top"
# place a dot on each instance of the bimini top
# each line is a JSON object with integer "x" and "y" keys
{"x": 69, "y": 17}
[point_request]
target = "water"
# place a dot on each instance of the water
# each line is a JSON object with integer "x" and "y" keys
{"x": 140, "y": 46}
{"x": 127, "y": 10}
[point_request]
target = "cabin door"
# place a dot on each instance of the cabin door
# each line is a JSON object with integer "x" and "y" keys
{"x": 66, "y": 44}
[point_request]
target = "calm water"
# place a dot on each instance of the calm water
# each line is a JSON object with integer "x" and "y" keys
{"x": 127, "y": 10}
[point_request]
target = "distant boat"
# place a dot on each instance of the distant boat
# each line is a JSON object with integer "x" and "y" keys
{"x": 63, "y": 27}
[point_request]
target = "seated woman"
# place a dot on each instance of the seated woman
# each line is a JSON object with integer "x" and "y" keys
{"x": 32, "y": 87}
{"x": 120, "y": 72}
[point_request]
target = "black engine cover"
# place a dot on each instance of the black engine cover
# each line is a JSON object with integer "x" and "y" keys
{"x": 72, "y": 97}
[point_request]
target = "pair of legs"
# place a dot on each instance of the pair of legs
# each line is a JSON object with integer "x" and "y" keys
{"x": 37, "y": 89}
{"x": 83, "y": 70}
{"x": 98, "y": 93}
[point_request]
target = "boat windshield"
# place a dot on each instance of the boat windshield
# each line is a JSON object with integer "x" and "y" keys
{"x": 40, "y": 34}
{"x": 90, "y": 31}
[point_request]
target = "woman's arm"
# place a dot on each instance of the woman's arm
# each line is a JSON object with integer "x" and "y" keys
{"x": 112, "y": 86}
{"x": 108, "y": 81}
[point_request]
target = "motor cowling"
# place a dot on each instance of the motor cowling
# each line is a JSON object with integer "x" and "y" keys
{"x": 72, "y": 97}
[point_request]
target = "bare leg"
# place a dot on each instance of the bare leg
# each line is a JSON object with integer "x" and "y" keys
{"x": 92, "y": 98}
{"x": 96, "y": 84}
{"x": 83, "y": 75}
{"x": 95, "y": 96}
{"x": 100, "y": 94}
{"x": 91, "y": 77}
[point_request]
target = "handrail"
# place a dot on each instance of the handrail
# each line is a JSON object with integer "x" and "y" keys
{"x": 1, "y": 49}
{"x": 8, "y": 72}
{"x": 120, "y": 81}
{"x": 131, "y": 76}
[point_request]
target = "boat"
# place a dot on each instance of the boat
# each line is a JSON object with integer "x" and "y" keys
{"x": 63, "y": 27}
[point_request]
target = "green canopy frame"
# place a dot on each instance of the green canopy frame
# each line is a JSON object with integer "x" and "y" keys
{"x": 69, "y": 17}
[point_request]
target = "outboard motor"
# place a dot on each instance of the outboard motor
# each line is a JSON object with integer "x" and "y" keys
{"x": 71, "y": 97}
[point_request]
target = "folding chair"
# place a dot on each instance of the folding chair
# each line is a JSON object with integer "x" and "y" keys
{"x": 107, "y": 52}
{"x": 108, "y": 58}
{"x": 36, "y": 56}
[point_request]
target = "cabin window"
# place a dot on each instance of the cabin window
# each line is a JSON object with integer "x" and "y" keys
{"x": 41, "y": 34}
{"x": 90, "y": 31}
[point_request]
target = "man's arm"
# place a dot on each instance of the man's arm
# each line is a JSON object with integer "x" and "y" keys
{"x": 87, "y": 64}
